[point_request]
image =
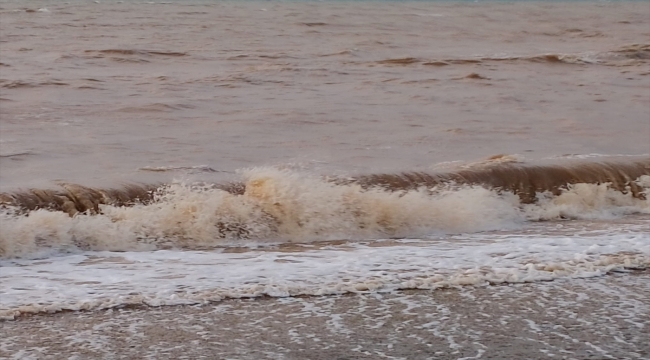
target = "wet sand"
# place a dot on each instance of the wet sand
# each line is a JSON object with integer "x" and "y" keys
{"x": 598, "y": 318}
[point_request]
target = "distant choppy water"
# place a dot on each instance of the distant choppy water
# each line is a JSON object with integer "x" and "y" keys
{"x": 102, "y": 93}
{"x": 105, "y": 93}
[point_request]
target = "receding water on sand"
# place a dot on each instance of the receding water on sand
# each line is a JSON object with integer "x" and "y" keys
{"x": 573, "y": 319}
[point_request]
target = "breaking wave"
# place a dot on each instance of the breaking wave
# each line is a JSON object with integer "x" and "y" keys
{"x": 288, "y": 206}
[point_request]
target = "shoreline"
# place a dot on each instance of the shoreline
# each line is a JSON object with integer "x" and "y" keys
{"x": 595, "y": 318}
{"x": 264, "y": 297}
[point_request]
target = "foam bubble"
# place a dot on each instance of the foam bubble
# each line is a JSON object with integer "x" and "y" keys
{"x": 105, "y": 279}
{"x": 289, "y": 206}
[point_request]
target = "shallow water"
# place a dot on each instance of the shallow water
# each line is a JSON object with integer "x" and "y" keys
{"x": 278, "y": 94}
{"x": 573, "y": 319}
{"x": 106, "y": 279}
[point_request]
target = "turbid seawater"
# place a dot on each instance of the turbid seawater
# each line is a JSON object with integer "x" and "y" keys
{"x": 432, "y": 179}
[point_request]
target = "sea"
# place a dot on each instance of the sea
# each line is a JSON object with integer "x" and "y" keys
{"x": 186, "y": 152}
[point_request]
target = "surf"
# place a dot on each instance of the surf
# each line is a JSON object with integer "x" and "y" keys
{"x": 280, "y": 205}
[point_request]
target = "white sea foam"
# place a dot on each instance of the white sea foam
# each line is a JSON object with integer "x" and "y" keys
{"x": 280, "y": 226}
{"x": 105, "y": 279}
{"x": 289, "y": 206}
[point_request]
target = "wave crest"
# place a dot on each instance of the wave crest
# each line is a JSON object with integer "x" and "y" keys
{"x": 283, "y": 205}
